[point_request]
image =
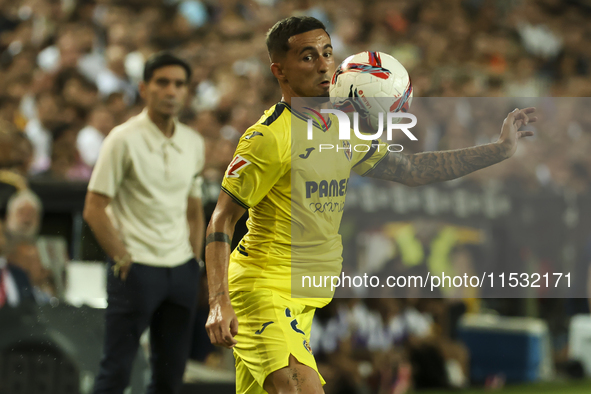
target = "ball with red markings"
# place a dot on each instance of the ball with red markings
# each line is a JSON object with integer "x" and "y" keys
{"x": 369, "y": 83}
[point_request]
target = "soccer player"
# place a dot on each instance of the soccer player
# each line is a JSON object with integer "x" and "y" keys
{"x": 144, "y": 207}
{"x": 252, "y": 309}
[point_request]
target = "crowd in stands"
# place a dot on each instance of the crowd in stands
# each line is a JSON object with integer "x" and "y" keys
{"x": 387, "y": 346}
{"x": 69, "y": 71}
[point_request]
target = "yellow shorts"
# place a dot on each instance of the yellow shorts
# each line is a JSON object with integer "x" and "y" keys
{"x": 270, "y": 328}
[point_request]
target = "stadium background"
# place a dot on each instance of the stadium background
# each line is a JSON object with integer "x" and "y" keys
{"x": 69, "y": 71}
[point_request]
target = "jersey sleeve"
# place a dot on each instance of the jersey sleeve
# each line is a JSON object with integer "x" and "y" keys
{"x": 364, "y": 160}
{"x": 257, "y": 165}
{"x": 111, "y": 165}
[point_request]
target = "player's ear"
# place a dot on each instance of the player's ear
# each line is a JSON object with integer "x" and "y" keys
{"x": 277, "y": 70}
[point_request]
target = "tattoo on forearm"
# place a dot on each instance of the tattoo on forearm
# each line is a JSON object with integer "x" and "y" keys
{"x": 218, "y": 237}
{"x": 296, "y": 379}
{"x": 424, "y": 168}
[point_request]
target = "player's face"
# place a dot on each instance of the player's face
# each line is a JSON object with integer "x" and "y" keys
{"x": 309, "y": 64}
{"x": 166, "y": 91}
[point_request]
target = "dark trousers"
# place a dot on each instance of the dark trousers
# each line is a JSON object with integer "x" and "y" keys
{"x": 163, "y": 299}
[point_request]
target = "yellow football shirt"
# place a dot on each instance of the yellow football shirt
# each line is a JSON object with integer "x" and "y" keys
{"x": 295, "y": 189}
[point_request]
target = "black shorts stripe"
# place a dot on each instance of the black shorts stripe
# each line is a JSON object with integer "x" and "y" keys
{"x": 236, "y": 199}
{"x": 242, "y": 250}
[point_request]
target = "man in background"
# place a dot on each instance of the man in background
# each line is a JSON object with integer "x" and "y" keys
{"x": 23, "y": 215}
{"x": 23, "y": 254}
{"x": 14, "y": 283}
{"x": 90, "y": 138}
{"x": 144, "y": 207}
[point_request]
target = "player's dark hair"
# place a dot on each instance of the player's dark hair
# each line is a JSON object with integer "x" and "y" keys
{"x": 163, "y": 59}
{"x": 279, "y": 35}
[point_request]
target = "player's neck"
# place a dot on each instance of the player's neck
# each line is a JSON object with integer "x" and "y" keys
{"x": 286, "y": 99}
{"x": 164, "y": 123}
{"x": 287, "y": 93}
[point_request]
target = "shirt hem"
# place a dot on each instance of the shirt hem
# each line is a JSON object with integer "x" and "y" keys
{"x": 159, "y": 263}
{"x": 238, "y": 201}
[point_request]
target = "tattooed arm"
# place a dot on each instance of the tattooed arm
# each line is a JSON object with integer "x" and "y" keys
{"x": 424, "y": 168}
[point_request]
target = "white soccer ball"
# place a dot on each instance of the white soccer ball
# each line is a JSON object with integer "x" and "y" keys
{"x": 369, "y": 83}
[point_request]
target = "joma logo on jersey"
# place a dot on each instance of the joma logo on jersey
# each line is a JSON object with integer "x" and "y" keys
{"x": 307, "y": 154}
{"x": 236, "y": 166}
{"x": 324, "y": 188}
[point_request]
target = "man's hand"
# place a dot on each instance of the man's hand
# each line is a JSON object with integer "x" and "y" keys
{"x": 222, "y": 323}
{"x": 510, "y": 131}
{"x": 122, "y": 266}
{"x": 106, "y": 234}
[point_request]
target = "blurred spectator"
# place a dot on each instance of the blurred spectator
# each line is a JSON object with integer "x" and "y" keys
{"x": 117, "y": 107}
{"x": 23, "y": 216}
{"x": 39, "y": 130}
{"x": 14, "y": 148}
{"x": 76, "y": 90}
{"x": 66, "y": 163}
{"x": 25, "y": 255}
{"x": 382, "y": 345}
{"x": 11, "y": 180}
{"x": 113, "y": 78}
{"x": 9, "y": 109}
{"x": 22, "y": 150}
{"x": 14, "y": 283}
{"x": 90, "y": 138}
{"x": 64, "y": 54}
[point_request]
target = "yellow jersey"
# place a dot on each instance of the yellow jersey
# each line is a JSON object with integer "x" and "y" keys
{"x": 295, "y": 191}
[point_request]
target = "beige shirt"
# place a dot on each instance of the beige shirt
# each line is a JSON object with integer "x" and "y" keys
{"x": 149, "y": 178}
